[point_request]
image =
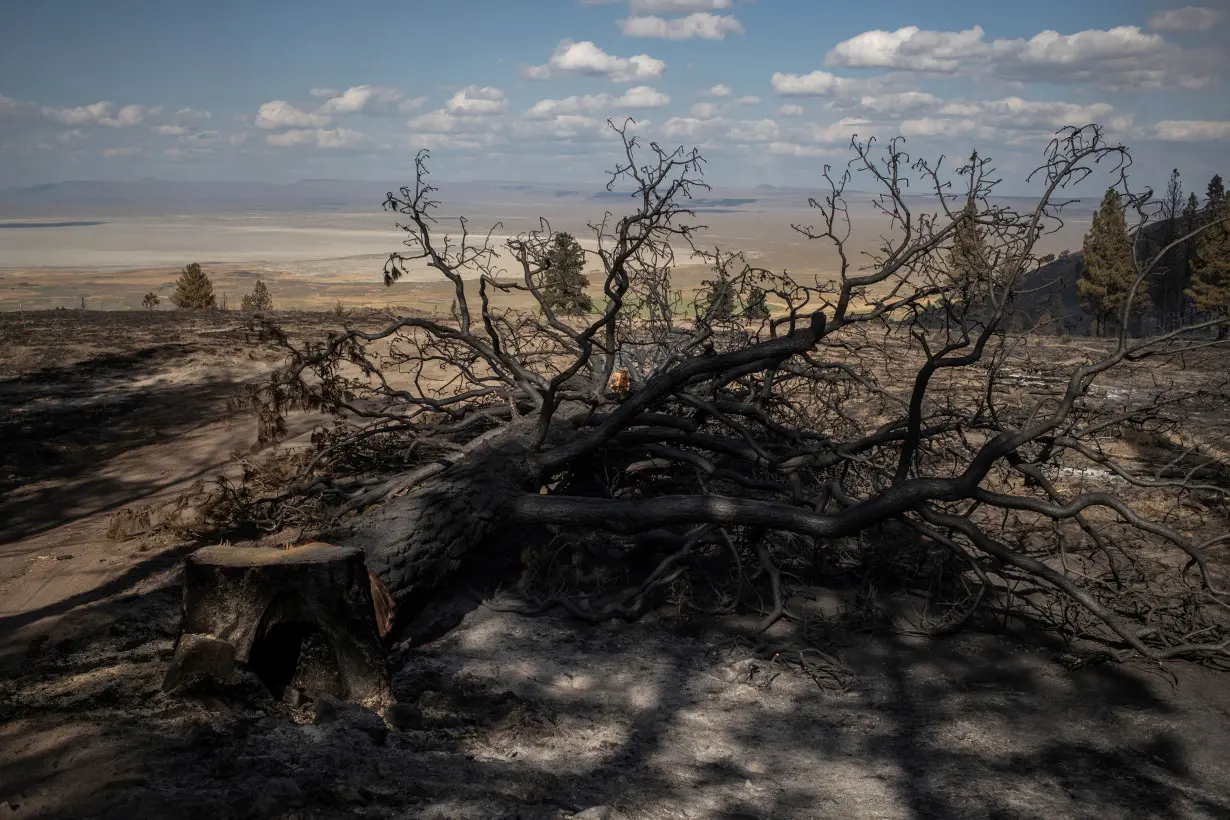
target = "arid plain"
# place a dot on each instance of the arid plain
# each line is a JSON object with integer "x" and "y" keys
{"x": 111, "y": 249}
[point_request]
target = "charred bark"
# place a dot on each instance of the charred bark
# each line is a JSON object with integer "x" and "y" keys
{"x": 300, "y": 619}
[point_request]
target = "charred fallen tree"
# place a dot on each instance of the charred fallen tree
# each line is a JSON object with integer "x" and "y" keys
{"x": 894, "y": 391}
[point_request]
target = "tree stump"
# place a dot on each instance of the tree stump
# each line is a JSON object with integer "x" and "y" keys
{"x": 301, "y": 619}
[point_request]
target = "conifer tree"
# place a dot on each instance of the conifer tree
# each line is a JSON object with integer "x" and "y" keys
{"x": 1215, "y": 194}
{"x": 193, "y": 290}
{"x": 967, "y": 259}
{"x": 565, "y": 280}
{"x": 1110, "y": 270}
{"x": 258, "y": 299}
{"x": 757, "y": 306}
{"x": 718, "y": 301}
{"x": 1210, "y": 288}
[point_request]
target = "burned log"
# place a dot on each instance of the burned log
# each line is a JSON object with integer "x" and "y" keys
{"x": 303, "y": 620}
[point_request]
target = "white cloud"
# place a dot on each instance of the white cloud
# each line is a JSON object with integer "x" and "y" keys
{"x": 171, "y": 130}
{"x": 65, "y": 137}
{"x": 586, "y": 58}
{"x": 692, "y": 128}
{"x": 411, "y": 105}
{"x": 908, "y": 48}
{"x": 790, "y": 111}
{"x": 477, "y": 101}
{"x": 372, "y": 100}
{"x": 755, "y": 131}
{"x": 837, "y": 132}
{"x": 719, "y": 90}
{"x": 698, "y": 25}
{"x": 1192, "y": 130}
{"x": 121, "y": 152}
{"x": 562, "y": 126}
{"x": 748, "y": 100}
{"x": 1120, "y": 58}
{"x": 815, "y": 84}
{"x": 707, "y": 111}
{"x": 642, "y": 96}
{"x": 316, "y": 137}
{"x": 794, "y": 149}
{"x": 186, "y": 116}
{"x": 898, "y": 101}
{"x": 441, "y": 121}
{"x": 1186, "y": 19}
{"x": 101, "y": 113}
{"x": 277, "y": 114}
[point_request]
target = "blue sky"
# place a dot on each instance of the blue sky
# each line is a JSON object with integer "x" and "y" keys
{"x": 281, "y": 90}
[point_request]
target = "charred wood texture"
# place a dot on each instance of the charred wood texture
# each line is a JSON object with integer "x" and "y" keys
{"x": 301, "y": 619}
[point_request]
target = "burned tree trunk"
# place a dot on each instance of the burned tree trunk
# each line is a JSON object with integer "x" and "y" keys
{"x": 300, "y": 619}
{"x": 415, "y": 542}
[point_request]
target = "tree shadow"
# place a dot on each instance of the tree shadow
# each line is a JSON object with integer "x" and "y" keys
{"x": 541, "y": 717}
{"x": 58, "y": 426}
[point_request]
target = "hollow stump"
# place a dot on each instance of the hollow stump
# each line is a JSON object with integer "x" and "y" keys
{"x": 300, "y": 619}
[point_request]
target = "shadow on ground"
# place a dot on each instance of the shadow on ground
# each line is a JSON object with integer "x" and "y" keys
{"x": 60, "y": 426}
{"x": 542, "y": 717}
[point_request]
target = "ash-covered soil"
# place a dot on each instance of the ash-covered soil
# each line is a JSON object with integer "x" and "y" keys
{"x": 503, "y": 716}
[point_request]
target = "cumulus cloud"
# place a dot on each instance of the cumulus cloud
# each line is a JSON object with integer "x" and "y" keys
{"x": 171, "y": 130}
{"x": 1120, "y": 58}
{"x": 815, "y": 84}
{"x": 1186, "y": 19}
{"x": 909, "y": 48}
{"x": 372, "y": 100}
{"x": 765, "y": 130}
{"x": 121, "y": 152}
{"x": 411, "y": 105}
{"x": 642, "y": 96}
{"x": 748, "y": 100}
{"x": 101, "y": 113}
{"x": 279, "y": 114}
{"x": 707, "y": 111}
{"x": 897, "y": 101}
{"x": 477, "y": 101}
{"x": 586, "y": 58}
{"x": 1192, "y": 130}
{"x": 316, "y": 137}
{"x": 702, "y": 25}
{"x": 718, "y": 90}
{"x": 562, "y": 126}
{"x": 790, "y": 111}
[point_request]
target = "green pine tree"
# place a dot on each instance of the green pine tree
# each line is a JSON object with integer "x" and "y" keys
{"x": 1109, "y": 271}
{"x": 1210, "y": 288}
{"x": 193, "y": 290}
{"x": 258, "y": 299}
{"x": 757, "y": 306}
{"x": 1215, "y": 194}
{"x": 564, "y": 281}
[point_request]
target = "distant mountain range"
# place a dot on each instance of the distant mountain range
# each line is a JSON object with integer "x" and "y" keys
{"x": 154, "y": 196}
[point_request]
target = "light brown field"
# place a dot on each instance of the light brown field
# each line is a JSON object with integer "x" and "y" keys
{"x": 313, "y": 260}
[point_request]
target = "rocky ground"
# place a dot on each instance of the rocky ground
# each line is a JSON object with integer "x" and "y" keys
{"x": 503, "y": 716}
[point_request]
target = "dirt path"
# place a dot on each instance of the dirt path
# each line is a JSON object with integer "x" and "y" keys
{"x": 505, "y": 716}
